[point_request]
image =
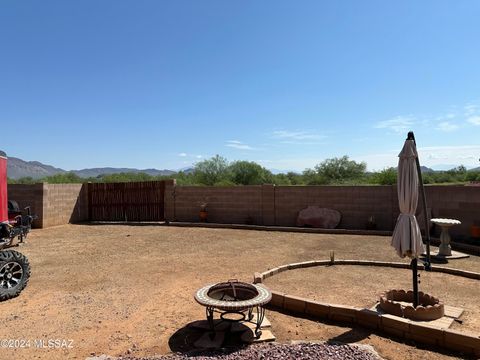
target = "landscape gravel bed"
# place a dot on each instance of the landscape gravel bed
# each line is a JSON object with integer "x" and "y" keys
{"x": 305, "y": 351}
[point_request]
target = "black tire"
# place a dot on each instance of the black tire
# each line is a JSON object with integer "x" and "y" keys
{"x": 14, "y": 273}
{"x": 13, "y": 206}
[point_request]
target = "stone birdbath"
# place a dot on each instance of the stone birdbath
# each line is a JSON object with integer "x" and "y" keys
{"x": 445, "y": 248}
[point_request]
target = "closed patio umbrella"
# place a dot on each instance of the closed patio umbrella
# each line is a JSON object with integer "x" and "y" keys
{"x": 407, "y": 238}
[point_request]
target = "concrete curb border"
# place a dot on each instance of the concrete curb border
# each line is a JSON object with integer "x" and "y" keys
{"x": 468, "y": 248}
{"x": 281, "y": 228}
{"x": 404, "y": 328}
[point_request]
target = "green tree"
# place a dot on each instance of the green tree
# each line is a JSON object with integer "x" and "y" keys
{"x": 336, "y": 171}
{"x": 249, "y": 173}
{"x": 24, "y": 180}
{"x": 183, "y": 178}
{"x": 64, "y": 178}
{"x": 473, "y": 175}
{"x": 312, "y": 177}
{"x": 289, "y": 178}
{"x": 126, "y": 177}
{"x": 211, "y": 171}
{"x": 385, "y": 177}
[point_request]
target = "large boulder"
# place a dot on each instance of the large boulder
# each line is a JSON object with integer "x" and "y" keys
{"x": 318, "y": 217}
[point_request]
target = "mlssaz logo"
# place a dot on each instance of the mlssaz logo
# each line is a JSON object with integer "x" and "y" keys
{"x": 53, "y": 344}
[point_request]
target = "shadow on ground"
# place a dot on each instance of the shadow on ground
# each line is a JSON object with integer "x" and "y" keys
{"x": 197, "y": 337}
{"x": 351, "y": 336}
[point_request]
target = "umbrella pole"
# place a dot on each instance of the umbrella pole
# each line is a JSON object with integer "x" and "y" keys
{"x": 414, "y": 266}
{"x": 428, "y": 265}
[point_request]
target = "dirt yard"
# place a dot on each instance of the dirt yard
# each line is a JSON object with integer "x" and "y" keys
{"x": 113, "y": 288}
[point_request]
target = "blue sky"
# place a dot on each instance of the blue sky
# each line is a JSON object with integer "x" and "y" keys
{"x": 164, "y": 84}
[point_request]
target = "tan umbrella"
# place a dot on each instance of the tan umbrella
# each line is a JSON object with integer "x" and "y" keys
{"x": 407, "y": 238}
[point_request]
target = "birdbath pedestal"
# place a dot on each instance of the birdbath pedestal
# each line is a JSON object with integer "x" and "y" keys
{"x": 445, "y": 248}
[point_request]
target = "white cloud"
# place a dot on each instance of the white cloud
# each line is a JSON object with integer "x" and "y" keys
{"x": 447, "y": 126}
{"x": 184, "y": 155}
{"x": 379, "y": 161}
{"x": 431, "y": 156}
{"x": 398, "y": 124}
{"x": 470, "y": 109}
{"x": 290, "y": 164}
{"x": 475, "y": 120}
{"x": 457, "y": 155}
{"x": 296, "y": 135}
{"x": 238, "y": 145}
{"x": 447, "y": 117}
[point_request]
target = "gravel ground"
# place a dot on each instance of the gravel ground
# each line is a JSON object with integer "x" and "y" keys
{"x": 304, "y": 351}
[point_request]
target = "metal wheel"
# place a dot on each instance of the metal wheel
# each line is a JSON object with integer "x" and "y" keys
{"x": 14, "y": 273}
{"x": 10, "y": 275}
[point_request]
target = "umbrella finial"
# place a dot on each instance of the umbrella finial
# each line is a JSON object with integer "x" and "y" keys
{"x": 410, "y": 136}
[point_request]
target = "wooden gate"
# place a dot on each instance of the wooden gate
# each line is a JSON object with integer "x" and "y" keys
{"x": 129, "y": 201}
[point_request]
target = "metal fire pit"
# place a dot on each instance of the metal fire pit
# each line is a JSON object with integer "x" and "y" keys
{"x": 235, "y": 301}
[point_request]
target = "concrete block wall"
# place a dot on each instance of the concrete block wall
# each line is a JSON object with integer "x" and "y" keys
{"x": 455, "y": 202}
{"x": 64, "y": 203}
{"x": 54, "y": 204}
{"x": 57, "y": 204}
{"x": 29, "y": 195}
{"x": 279, "y": 205}
{"x": 356, "y": 204}
{"x": 226, "y": 204}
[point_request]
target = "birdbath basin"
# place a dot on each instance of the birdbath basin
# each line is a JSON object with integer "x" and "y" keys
{"x": 445, "y": 248}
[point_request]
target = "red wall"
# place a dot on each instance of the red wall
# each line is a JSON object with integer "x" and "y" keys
{"x": 3, "y": 189}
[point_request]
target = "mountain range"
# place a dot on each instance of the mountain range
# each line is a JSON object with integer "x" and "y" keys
{"x": 18, "y": 168}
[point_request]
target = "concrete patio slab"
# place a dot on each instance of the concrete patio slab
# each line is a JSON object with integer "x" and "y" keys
{"x": 266, "y": 336}
{"x": 455, "y": 255}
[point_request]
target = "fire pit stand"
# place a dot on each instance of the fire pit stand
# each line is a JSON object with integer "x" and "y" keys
{"x": 235, "y": 302}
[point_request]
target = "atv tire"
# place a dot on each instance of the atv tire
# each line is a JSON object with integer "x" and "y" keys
{"x": 14, "y": 273}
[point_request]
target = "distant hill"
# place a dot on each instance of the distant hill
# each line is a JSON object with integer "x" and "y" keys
{"x": 94, "y": 172}
{"x": 425, "y": 169}
{"x": 186, "y": 170}
{"x": 18, "y": 168}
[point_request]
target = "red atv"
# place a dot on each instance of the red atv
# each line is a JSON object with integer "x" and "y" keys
{"x": 14, "y": 225}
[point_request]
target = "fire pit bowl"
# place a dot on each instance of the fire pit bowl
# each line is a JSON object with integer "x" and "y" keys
{"x": 234, "y": 301}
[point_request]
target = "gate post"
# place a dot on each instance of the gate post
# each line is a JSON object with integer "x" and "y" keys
{"x": 169, "y": 200}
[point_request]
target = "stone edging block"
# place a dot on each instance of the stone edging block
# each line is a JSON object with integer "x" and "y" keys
{"x": 295, "y": 304}
{"x": 278, "y": 299}
{"x": 317, "y": 309}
